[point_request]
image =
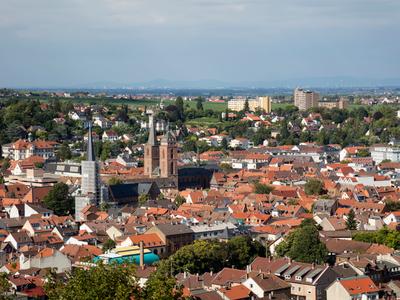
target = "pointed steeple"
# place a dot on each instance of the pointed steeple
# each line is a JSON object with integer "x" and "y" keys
{"x": 152, "y": 131}
{"x": 90, "y": 148}
{"x": 168, "y": 136}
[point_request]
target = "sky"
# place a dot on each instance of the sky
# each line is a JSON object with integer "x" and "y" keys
{"x": 66, "y": 43}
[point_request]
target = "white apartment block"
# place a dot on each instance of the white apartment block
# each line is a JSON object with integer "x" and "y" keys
{"x": 384, "y": 152}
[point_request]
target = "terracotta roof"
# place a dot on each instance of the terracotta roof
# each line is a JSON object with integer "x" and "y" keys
{"x": 359, "y": 285}
{"x": 236, "y": 292}
{"x": 228, "y": 276}
{"x": 77, "y": 252}
{"x": 46, "y": 252}
{"x": 269, "y": 282}
{"x": 149, "y": 239}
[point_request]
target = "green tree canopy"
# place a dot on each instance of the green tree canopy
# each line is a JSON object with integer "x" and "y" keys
{"x": 260, "y": 188}
{"x": 179, "y": 200}
{"x": 59, "y": 200}
{"x": 5, "y": 287}
{"x": 100, "y": 282}
{"x": 314, "y": 187}
{"x": 212, "y": 255}
{"x": 143, "y": 198}
{"x": 199, "y": 103}
{"x": 108, "y": 245}
{"x": 114, "y": 181}
{"x": 64, "y": 152}
{"x": 303, "y": 245}
{"x": 351, "y": 222}
{"x": 384, "y": 236}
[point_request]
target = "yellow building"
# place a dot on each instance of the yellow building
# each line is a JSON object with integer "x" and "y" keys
{"x": 263, "y": 103}
{"x": 341, "y": 104}
{"x": 305, "y": 100}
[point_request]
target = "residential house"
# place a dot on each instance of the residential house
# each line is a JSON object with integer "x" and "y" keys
{"x": 174, "y": 236}
{"x": 361, "y": 287}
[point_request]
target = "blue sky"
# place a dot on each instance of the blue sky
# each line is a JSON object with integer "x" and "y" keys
{"x": 74, "y": 42}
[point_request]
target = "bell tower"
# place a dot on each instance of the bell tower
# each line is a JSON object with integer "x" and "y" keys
{"x": 168, "y": 155}
{"x": 151, "y": 151}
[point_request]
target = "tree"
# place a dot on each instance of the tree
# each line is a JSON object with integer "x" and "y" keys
{"x": 242, "y": 250}
{"x": 143, "y": 198}
{"x": 5, "y": 287}
{"x": 351, "y": 222}
{"x": 199, "y": 257}
{"x": 108, "y": 245}
{"x": 160, "y": 197}
{"x": 179, "y": 103}
{"x": 260, "y": 188}
{"x": 179, "y": 200}
{"x": 314, "y": 187}
{"x": 363, "y": 153}
{"x": 59, "y": 200}
{"x": 179, "y": 107}
{"x": 5, "y": 165}
{"x": 107, "y": 282}
{"x": 384, "y": 236}
{"x": 64, "y": 152}
{"x": 189, "y": 145}
{"x": 226, "y": 114}
{"x": 212, "y": 255}
{"x": 162, "y": 286}
{"x": 105, "y": 151}
{"x": 226, "y": 167}
{"x": 224, "y": 144}
{"x": 114, "y": 181}
{"x": 246, "y": 106}
{"x": 392, "y": 205}
{"x": 304, "y": 245}
{"x": 199, "y": 103}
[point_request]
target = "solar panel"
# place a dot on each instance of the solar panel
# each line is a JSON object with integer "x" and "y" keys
{"x": 291, "y": 271}
{"x": 302, "y": 272}
{"x": 281, "y": 269}
{"x": 313, "y": 274}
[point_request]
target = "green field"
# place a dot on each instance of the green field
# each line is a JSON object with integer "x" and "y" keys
{"x": 203, "y": 121}
{"x": 281, "y": 105}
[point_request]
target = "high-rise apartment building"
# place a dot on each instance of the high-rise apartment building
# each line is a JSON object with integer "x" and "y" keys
{"x": 305, "y": 99}
{"x": 263, "y": 103}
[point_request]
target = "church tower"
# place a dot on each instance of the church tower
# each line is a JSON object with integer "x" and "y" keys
{"x": 168, "y": 155}
{"x": 90, "y": 182}
{"x": 90, "y": 170}
{"x": 151, "y": 151}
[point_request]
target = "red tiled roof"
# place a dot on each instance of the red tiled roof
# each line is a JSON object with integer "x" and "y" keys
{"x": 361, "y": 285}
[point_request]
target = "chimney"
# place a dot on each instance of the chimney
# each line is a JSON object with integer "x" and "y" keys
{"x": 313, "y": 265}
{"x": 248, "y": 268}
{"x": 141, "y": 254}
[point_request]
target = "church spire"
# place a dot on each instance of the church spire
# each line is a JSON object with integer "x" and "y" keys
{"x": 152, "y": 131}
{"x": 90, "y": 148}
